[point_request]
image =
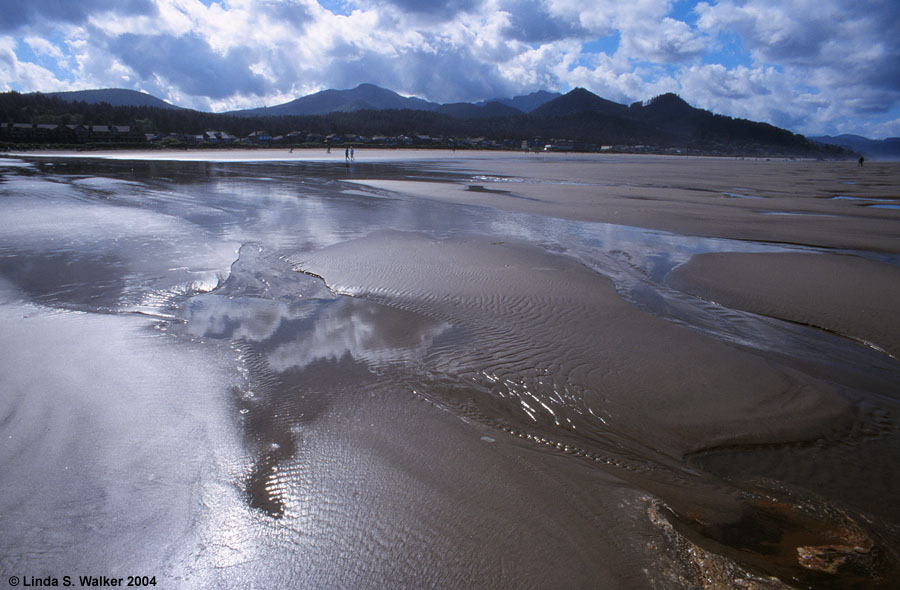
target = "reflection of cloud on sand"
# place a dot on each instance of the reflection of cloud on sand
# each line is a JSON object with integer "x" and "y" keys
{"x": 368, "y": 332}
{"x": 240, "y": 318}
{"x": 296, "y": 335}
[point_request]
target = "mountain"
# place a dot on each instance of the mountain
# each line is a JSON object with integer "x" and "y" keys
{"x": 526, "y": 103}
{"x": 466, "y": 110}
{"x": 374, "y": 98}
{"x": 666, "y": 122}
{"x": 665, "y": 107}
{"x": 885, "y": 149}
{"x": 577, "y": 120}
{"x": 576, "y": 102}
{"x": 117, "y": 97}
{"x": 363, "y": 97}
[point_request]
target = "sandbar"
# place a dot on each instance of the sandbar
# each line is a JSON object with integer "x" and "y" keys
{"x": 849, "y": 295}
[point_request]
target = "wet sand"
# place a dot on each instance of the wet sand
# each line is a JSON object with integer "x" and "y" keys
{"x": 848, "y": 295}
{"x": 459, "y": 370}
{"x": 783, "y": 201}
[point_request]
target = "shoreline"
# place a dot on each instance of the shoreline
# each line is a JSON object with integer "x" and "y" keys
{"x": 442, "y": 151}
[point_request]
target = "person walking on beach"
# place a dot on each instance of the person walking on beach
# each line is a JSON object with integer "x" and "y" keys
{"x": 861, "y": 160}
{"x": 347, "y": 154}
{"x": 351, "y": 154}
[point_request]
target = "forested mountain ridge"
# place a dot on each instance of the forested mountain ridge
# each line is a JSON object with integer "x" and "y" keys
{"x": 577, "y": 120}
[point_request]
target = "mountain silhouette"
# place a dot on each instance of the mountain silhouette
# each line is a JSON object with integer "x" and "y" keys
{"x": 363, "y": 97}
{"x": 525, "y": 103}
{"x": 576, "y": 102}
{"x": 587, "y": 121}
{"x": 117, "y": 97}
{"x": 887, "y": 149}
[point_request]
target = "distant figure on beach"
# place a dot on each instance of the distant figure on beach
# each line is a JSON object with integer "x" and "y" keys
{"x": 861, "y": 160}
{"x": 352, "y": 157}
{"x": 329, "y": 149}
{"x": 347, "y": 154}
{"x": 292, "y": 151}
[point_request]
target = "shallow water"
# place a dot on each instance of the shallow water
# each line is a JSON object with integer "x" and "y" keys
{"x": 240, "y": 353}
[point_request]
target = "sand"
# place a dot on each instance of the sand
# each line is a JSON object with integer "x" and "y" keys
{"x": 573, "y": 327}
{"x": 784, "y": 201}
{"x": 848, "y": 295}
{"x": 437, "y": 369}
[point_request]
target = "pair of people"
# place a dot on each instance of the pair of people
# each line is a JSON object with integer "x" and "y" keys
{"x": 348, "y": 154}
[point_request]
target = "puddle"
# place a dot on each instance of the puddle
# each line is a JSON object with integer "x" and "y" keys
{"x": 741, "y": 196}
{"x": 796, "y": 214}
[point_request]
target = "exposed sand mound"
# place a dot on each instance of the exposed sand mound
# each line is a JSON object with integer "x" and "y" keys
{"x": 849, "y": 295}
{"x": 564, "y": 325}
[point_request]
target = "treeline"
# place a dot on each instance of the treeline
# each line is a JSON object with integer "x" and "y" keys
{"x": 666, "y": 122}
{"x": 38, "y": 108}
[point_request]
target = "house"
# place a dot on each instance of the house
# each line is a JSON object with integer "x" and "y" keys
{"x": 79, "y": 132}
{"x": 259, "y": 137}
{"x": 21, "y": 132}
{"x": 45, "y": 132}
{"x": 99, "y": 133}
{"x": 218, "y": 137}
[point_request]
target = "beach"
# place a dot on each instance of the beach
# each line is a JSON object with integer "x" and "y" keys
{"x": 450, "y": 369}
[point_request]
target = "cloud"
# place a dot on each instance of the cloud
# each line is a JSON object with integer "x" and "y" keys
{"x": 295, "y": 13}
{"x": 41, "y": 46}
{"x": 25, "y": 74}
{"x": 531, "y": 21}
{"x": 664, "y": 41}
{"x": 841, "y": 54}
{"x": 425, "y": 10}
{"x": 190, "y": 64}
{"x": 18, "y": 13}
{"x": 838, "y": 41}
{"x": 810, "y": 64}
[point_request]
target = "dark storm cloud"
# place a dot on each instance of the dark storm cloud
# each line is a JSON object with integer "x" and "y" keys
{"x": 429, "y": 9}
{"x": 530, "y": 22}
{"x": 291, "y": 12}
{"x": 189, "y": 63}
{"x": 19, "y": 13}
{"x": 858, "y": 42}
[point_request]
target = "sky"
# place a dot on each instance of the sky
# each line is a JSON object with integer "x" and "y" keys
{"x": 812, "y": 66}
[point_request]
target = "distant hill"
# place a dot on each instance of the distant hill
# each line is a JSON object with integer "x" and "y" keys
{"x": 117, "y": 97}
{"x": 885, "y": 149}
{"x": 666, "y": 121}
{"x": 664, "y": 108}
{"x": 576, "y": 102}
{"x": 526, "y": 103}
{"x": 578, "y": 120}
{"x": 363, "y": 97}
{"x": 371, "y": 97}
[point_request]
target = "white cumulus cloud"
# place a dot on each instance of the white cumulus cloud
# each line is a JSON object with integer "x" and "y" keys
{"x": 823, "y": 65}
